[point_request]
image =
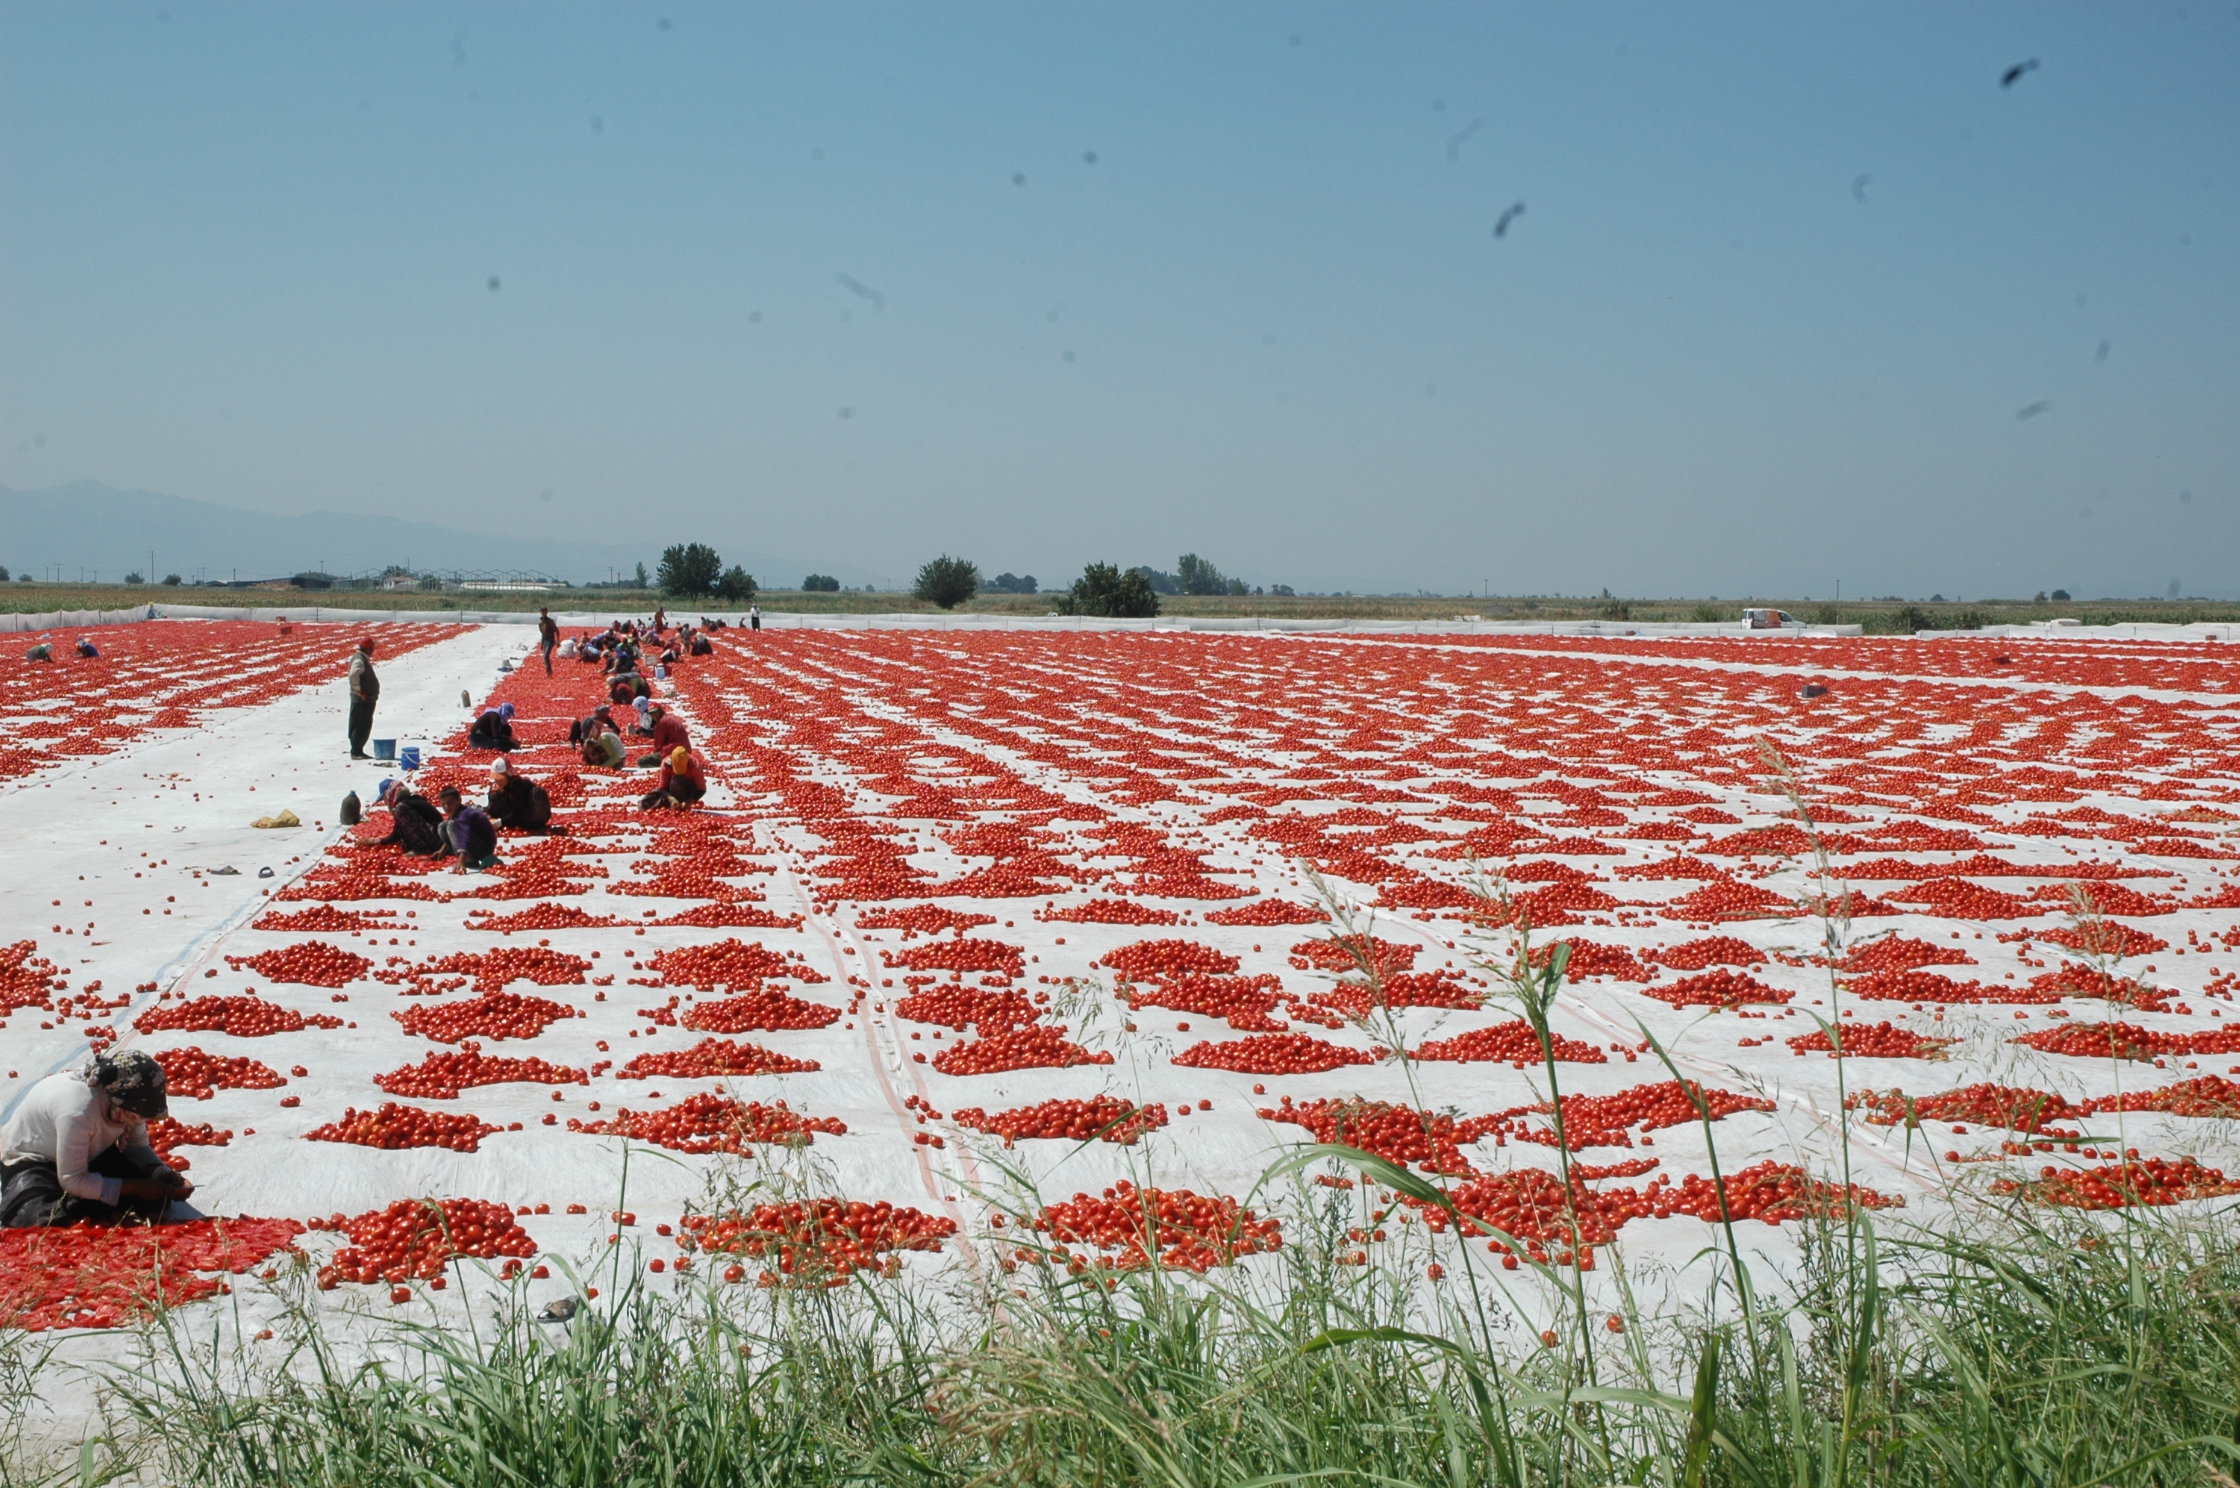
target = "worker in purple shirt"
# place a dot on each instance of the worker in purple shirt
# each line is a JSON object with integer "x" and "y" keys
{"x": 469, "y": 830}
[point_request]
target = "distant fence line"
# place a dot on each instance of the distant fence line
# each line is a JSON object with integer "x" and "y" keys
{"x": 918, "y": 620}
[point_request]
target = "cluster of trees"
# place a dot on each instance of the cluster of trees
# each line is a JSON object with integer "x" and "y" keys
{"x": 1102, "y": 588}
{"x": 1192, "y": 575}
{"x": 696, "y": 571}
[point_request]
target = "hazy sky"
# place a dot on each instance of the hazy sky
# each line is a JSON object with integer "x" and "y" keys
{"x": 1798, "y": 293}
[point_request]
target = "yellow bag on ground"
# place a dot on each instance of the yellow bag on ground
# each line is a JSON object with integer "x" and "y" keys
{"x": 284, "y": 819}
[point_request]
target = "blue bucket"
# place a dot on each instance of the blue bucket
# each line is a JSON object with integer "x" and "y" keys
{"x": 661, "y": 671}
{"x": 408, "y": 758}
{"x": 384, "y": 749}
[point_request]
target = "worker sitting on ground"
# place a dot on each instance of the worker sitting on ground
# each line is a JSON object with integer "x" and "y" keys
{"x": 701, "y": 645}
{"x": 681, "y": 783}
{"x": 415, "y": 826}
{"x": 494, "y": 730}
{"x": 469, "y": 831}
{"x": 589, "y": 725}
{"x": 44, "y": 651}
{"x": 76, "y": 1151}
{"x": 517, "y": 801}
{"x": 87, "y": 649}
{"x": 603, "y": 749}
{"x": 642, "y": 724}
{"x": 668, "y": 733}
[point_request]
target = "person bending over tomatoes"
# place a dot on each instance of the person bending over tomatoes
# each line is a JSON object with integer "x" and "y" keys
{"x": 668, "y": 735}
{"x": 681, "y": 782}
{"x": 469, "y": 832}
{"x": 494, "y": 730}
{"x": 76, "y": 1151}
{"x": 516, "y": 801}
{"x": 414, "y": 823}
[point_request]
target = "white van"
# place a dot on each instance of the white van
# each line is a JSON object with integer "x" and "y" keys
{"x": 1756, "y": 618}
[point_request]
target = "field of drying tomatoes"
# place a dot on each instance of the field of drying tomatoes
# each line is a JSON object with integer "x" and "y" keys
{"x": 1056, "y": 940}
{"x": 164, "y": 675}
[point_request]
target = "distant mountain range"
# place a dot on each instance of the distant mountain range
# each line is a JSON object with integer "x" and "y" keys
{"x": 96, "y": 532}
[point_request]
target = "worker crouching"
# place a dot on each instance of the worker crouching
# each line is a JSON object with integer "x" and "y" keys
{"x": 682, "y": 782}
{"x": 469, "y": 832}
{"x": 76, "y": 1151}
{"x": 516, "y": 801}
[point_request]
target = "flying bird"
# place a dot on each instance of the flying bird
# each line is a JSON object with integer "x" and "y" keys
{"x": 1501, "y": 227}
{"x": 1461, "y": 137}
{"x": 861, "y": 290}
{"x": 2032, "y": 411}
{"x": 1859, "y": 185}
{"x": 2014, "y": 74}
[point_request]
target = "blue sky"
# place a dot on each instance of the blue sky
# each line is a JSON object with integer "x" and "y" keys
{"x": 246, "y": 255}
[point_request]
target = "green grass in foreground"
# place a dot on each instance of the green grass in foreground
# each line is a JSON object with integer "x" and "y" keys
{"x": 1877, "y": 616}
{"x": 2032, "y": 1350}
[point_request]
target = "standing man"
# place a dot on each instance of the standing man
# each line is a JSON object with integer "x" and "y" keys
{"x": 754, "y": 616}
{"x": 365, "y": 690}
{"x": 548, "y": 636}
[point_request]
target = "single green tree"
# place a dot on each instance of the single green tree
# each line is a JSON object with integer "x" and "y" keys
{"x": 133, "y": 577}
{"x": 821, "y": 584}
{"x": 947, "y": 582}
{"x": 172, "y": 579}
{"x": 736, "y": 585}
{"x": 688, "y": 570}
{"x": 641, "y": 581}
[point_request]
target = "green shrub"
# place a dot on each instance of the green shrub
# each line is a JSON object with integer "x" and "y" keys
{"x": 1104, "y": 590}
{"x": 947, "y": 582}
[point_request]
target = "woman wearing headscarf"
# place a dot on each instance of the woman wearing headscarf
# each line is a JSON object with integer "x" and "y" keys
{"x": 494, "y": 730}
{"x": 682, "y": 782}
{"x": 76, "y": 1151}
{"x": 414, "y": 823}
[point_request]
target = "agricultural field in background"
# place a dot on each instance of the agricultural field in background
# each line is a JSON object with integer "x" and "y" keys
{"x": 1000, "y": 959}
{"x": 1890, "y": 616}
